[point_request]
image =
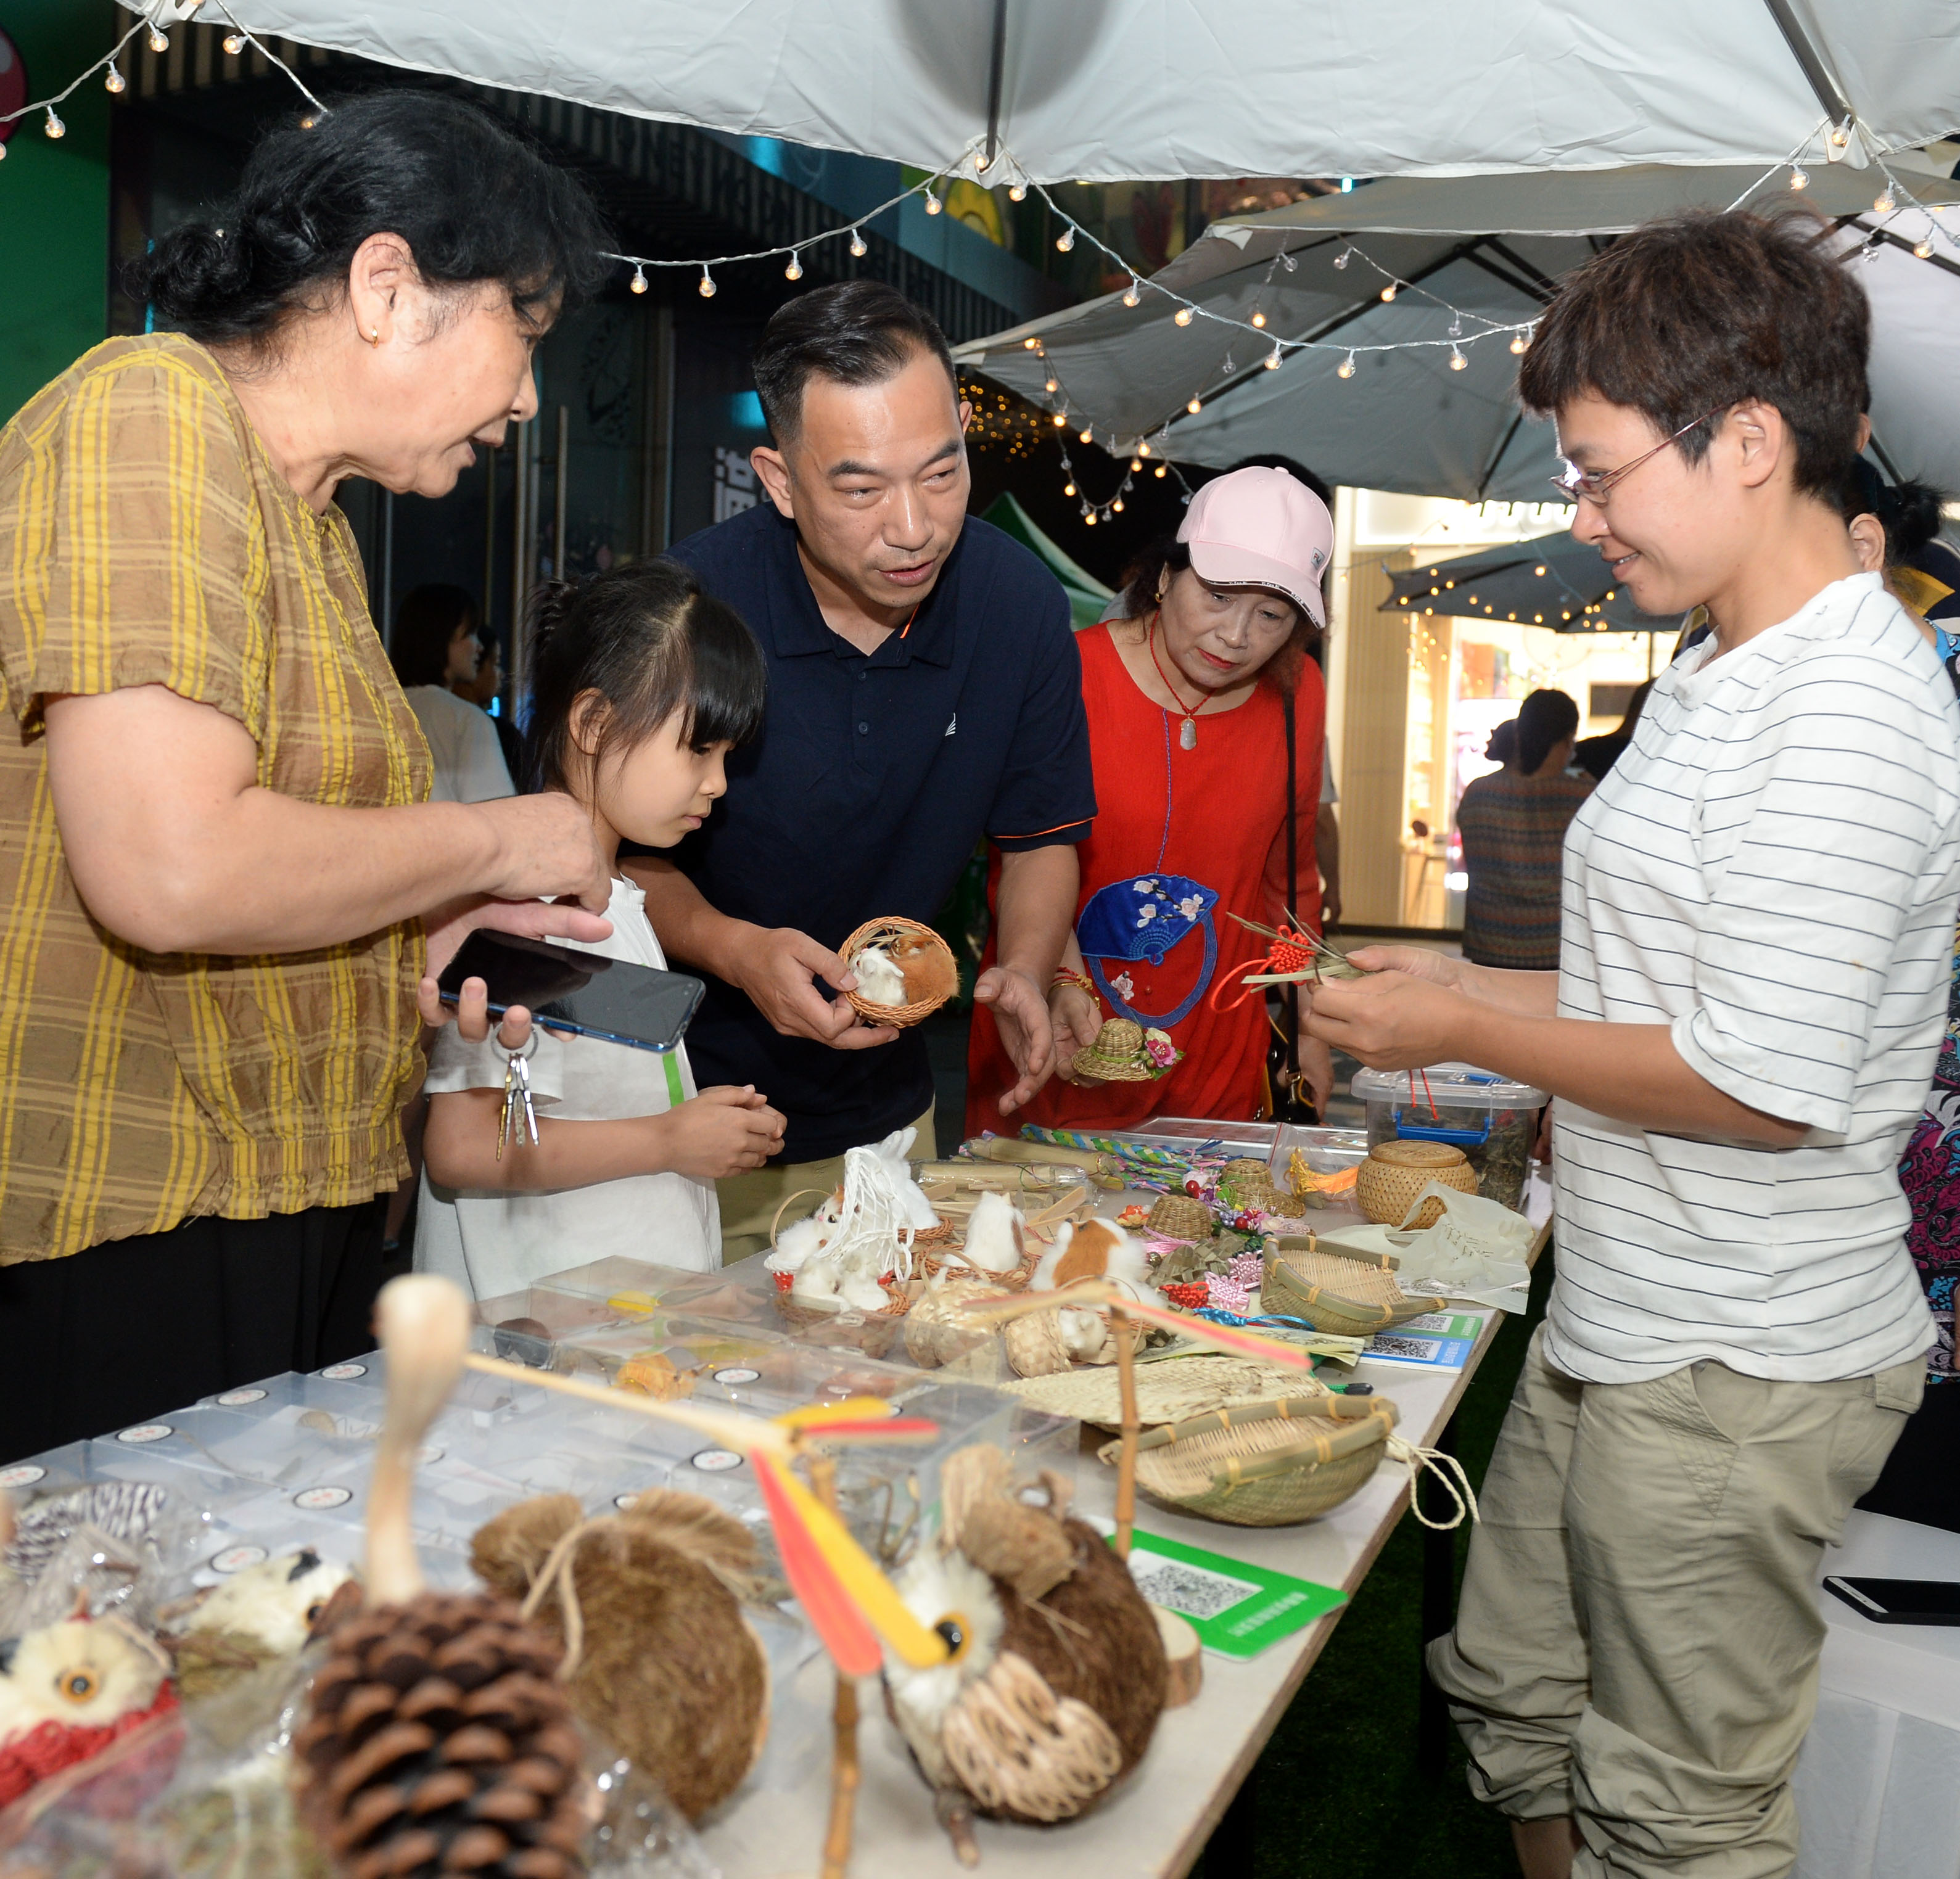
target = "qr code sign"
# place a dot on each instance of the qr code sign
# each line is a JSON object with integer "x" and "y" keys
{"x": 1189, "y": 1589}
{"x": 1382, "y": 1342}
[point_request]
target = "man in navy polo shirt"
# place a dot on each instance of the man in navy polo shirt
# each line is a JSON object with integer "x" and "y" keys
{"x": 924, "y": 692}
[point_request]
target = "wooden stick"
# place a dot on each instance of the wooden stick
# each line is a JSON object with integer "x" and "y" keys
{"x": 1126, "y": 1466}
{"x": 844, "y": 1770}
{"x": 423, "y": 1324}
{"x": 742, "y": 1433}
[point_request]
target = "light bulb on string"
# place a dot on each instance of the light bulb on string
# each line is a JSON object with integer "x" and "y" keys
{"x": 1923, "y": 248}
{"x": 1290, "y": 262}
{"x": 1130, "y": 296}
{"x": 1273, "y": 359}
{"x": 1799, "y": 177}
{"x": 1519, "y": 342}
{"x": 639, "y": 281}
{"x": 1017, "y": 192}
{"x": 858, "y": 247}
{"x": 1183, "y": 316}
{"x": 1162, "y": 469}
{"x": 1032, "y": 343}
{"x": 706, "y": 289}
{"x": 933, "y": 203}
{"x": 1841, "y": 135}
{"x": 1341, "y": 259}
{"x": 1118, "y": 505}
{"x": 1052, "y": 386}
{"x": 114, "y": 83}
{"x": 1346, "y": 368}
{"x": 793, "y": 270}
{"x": 1065, "y": 240}
{"x": 1195, "y": 404}
{"x": 54, "y": 126}
{"x": 1258, "y": 316}
{"x": 1388, "y": 292}
{"x": 1143, "y": 446}
{"x": 307, "y": 122}
{"x": 1088, "y": 518}
{"x": 1886, "y": 201}
{"x": 1457, "y": 361}
{"x": 234, "y": 44}
{"x": 1136, "y": 463}
{"x": 1068, "y": 489}
{"x": 160, "y": 40}
{"x": 1061, "y": 420}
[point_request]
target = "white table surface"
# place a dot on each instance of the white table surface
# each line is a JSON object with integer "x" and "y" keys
{"x": 1878, "y": 1784}
{"x": 1159, "y": 1822}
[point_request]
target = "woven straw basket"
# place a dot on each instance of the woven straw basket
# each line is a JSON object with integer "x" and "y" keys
{"x": 1268, "y": 1464}
{"x": 1178, "y": 1216}
{"x": 941, "y": 971}
{"x": 1395, "y": 1172}
{"x": 1348, "y": 1294}
{"x": 935, "y": 1260}
{"x": 1166, "y": 1391}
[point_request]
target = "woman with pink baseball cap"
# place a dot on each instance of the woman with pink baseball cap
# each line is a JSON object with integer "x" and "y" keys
{"x": 1188, "y": 699}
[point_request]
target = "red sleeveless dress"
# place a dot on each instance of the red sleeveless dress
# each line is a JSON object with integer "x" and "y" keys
{"x": 1170, "y": 824}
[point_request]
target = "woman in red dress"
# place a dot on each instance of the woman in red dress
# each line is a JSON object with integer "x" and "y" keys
{"x": 1187, "y": 701}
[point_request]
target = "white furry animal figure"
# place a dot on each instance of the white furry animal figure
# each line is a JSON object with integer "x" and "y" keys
{"x": 271, "y": 1608}
{"x": 879, "y": 978}
{"x": 67, "y": 1689}
{"x": 1094, "y": 1249}
{"x": 1057, "y": 1673}
{"x": 995, "y": 1242}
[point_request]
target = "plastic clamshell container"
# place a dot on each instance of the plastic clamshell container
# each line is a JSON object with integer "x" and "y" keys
{"x": 1493, "y": 1121}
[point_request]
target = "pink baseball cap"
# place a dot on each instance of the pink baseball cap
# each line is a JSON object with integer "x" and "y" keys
{"x": 1262, "y": 528}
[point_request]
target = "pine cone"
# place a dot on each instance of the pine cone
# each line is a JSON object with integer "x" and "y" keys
{"x": 440, "y": 1743}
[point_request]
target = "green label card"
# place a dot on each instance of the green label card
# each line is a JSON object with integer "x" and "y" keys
{"x": 1236, "y": 1608}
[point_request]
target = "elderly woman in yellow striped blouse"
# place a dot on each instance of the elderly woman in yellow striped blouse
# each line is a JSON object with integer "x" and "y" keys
{"x": 222, "y": 882}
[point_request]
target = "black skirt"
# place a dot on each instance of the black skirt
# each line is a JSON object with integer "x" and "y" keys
{"x": 123, "y": 1332}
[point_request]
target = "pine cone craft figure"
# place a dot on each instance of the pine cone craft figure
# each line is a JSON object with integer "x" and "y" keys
{"x": 438, "y": 1740}
{"x": 1057, "y": 1674}
{"x": 662, "y": 1662}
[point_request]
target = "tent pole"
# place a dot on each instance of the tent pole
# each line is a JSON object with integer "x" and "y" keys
{"x": 996, "y": 66}
{"x": 1823, "y": 85}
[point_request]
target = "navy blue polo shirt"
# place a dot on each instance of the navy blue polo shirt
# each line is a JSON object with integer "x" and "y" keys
{"x": 874, "y": 778}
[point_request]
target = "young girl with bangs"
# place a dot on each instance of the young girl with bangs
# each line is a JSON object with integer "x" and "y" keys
{"x": 642, "y": 685}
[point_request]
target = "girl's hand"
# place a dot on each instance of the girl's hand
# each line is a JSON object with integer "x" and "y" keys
{"x": 1077, "y": 1019}
{"x": 721, "y": 1132}
{"x": 1392, "y": 1021}
{"x": 473, "y": 1014}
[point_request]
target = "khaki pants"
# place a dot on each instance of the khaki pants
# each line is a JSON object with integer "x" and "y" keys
{"x": 750, "y": 1202}
{"x": 1637, "y": 1638}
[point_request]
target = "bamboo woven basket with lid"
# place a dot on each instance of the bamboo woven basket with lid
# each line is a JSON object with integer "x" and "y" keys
{"x": 1350, "y": 1294}
{"x": 925, "y": 959}
{"x": 1266, "y": 1464}
{"x": 1395, "y": 1172}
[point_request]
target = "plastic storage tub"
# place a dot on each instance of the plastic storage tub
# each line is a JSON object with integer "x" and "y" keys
{"x": 1492, "y": 1121}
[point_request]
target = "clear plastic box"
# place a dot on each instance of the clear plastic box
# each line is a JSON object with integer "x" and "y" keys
{"x": 1493, "y": 1121}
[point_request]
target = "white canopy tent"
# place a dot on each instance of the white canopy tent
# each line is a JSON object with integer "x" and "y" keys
{"x": 1477, "y": 255}
{"x": 1116, "y": 89}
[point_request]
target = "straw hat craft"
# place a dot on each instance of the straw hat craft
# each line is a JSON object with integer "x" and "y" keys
{"x": 905, "y": 971}
{"x": 1124, "y": 1052}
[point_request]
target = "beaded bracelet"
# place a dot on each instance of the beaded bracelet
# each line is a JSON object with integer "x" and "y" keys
{"x": 1080, "y": 981}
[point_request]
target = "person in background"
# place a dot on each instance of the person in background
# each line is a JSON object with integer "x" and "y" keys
{"x": 643, "y": 684}
{"x": 1186, "y": 701}
{"x": 437, "y": 652}
{"x": 223, "y": 884}
{"x": 1596, "y": 755}
{"x": 1327, "y": 843}
{"x": 1892, "y": 525}
{"x": 1501, "y": 747}
{"x": 1513, "y": 826}
{"x": 483, "y": 691}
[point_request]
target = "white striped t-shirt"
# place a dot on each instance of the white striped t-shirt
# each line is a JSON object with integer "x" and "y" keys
{"x": 1772, "y": 869}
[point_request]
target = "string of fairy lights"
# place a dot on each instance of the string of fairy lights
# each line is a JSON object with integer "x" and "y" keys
{"x": 1151, "y": 445}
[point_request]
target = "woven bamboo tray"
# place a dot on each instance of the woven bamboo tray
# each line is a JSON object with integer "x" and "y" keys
{"x": 943, "y": 974}
{"x": 1348, "y": 1294}
{"x": 1268, "y": 1464}
{"x": 1167, "y": 1391}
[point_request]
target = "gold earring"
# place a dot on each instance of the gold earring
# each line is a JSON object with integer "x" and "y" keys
{"x": 373, "y": 335}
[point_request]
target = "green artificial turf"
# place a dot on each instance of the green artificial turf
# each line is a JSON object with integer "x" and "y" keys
{"x": 1337, "y": 1790}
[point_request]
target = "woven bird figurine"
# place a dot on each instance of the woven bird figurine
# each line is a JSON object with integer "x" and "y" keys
{"x": 1056, "y": 1672}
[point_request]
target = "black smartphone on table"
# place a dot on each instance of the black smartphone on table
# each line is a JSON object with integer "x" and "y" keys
{"x": 1900, "y": 1601}
{"x": 611, "y": 1000}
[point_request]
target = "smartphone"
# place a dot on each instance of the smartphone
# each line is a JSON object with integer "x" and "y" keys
{"x": 611, "y": 1000}
{"x": 1901, "y": 1601}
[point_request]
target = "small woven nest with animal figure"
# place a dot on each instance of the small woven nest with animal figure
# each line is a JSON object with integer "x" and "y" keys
{"x": 905, "y": 971}
{"x": 1267, "y": 1464}
{"x": 1349, "y": 1294}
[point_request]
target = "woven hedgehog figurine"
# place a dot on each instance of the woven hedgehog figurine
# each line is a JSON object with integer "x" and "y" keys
{"x": 439, "y": 1740}
{"x": 1058, "y": 1673}
{"x": 662, "y": 1662}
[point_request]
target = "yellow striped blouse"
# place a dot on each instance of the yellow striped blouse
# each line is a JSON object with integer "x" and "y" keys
{"x": 146, "y": 538}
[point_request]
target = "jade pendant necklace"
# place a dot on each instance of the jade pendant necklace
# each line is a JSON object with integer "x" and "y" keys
{"x": 1187, "y": 735}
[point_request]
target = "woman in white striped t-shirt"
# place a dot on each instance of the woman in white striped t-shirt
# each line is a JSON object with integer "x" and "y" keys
{"x": 1758, "y": 915}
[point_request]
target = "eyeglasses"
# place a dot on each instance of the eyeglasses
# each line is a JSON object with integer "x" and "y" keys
{"x": 1573, "y": 482}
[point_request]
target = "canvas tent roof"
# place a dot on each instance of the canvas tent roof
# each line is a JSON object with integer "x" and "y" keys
{"x": 1481, "y": 253}
{"x": 1113, "y": 89}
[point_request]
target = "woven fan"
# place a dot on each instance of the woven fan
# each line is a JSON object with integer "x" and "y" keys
{"x": 1166, "y": 1392}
